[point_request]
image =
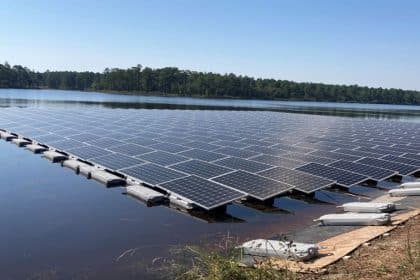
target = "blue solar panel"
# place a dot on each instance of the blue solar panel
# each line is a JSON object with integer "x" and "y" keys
{"x": 299, "y": 180}
{"x": 200, "y": 168}
{"x": 371, "y": 171}
{"x": 130, "y": 149}
{"x": 203, "y": 193}
{"x": 242, "y": 164}
{"x": 162, "y": 158}
{"x": 153, "y": 174}
{"x": 254, "y": 185}
{"x": 88, "y": 152}
{"x": 343, "y": 178}
{"x": 202, "y": 155}
{"x": 117, "y": 161}
{"x": 251, "y": 141}
{"x": 403, "y": 169}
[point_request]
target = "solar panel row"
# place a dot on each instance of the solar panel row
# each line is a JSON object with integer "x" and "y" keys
{"x": 246, "y": 151}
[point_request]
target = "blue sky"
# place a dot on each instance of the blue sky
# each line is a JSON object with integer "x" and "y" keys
{"x": 373, "y": 43}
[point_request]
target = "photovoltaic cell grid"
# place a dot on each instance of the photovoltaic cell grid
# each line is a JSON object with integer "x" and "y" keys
{"x": 204, "y": 193}
{"x": 260, "y": 154}
{"x": 300, "y": 180}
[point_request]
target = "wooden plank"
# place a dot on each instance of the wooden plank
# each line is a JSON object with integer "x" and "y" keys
{"x": 335, "y": 248}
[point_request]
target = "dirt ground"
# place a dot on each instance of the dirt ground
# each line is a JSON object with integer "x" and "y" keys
{"x": 396, "y": 256}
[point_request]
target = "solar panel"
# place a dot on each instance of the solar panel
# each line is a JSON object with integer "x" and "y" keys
{"x": 357, "y": 153}
{"x": 308, "y": 158}
{"x": 343, "y": 178}
{"x": 66, "y": 132}
{"x": 67, "y": 144}
{"x": 201, "y": 145}
{"x": 202, "y": 155}
{"x": 412, "y": 156}
{"x": 254, "y": 185}
{"x": 254, "y": 142}
{"x": 404, "y": 160}
{"x": 229, "y": 151}
{"x": 152, "y": 173}
{"x": 336, "y": 156}
{"x": 200, "y": 168}
{"x": 48, "y": 138}
{"x": 299, "y": 180}
{"x": 130, "y": 149}
{"x": 403, "y": 169}
{"x": 247, "y": 140}
{"x": 231, "y": 144}
{"x": 379, "y": 151}
{"x": 371, "y": 171}
{"x": 168, "y": 147}
{"x": 266, "y": 150}
{"x": 201, "y": 192}
{"x": 105, "y": 142}
{"x": 162, "y": 158}
{"x": 84, "y": 137}
{"x": 117, "y": 161}
{"x": 278, "y": 161}
{"x": 290, "y": 148}
{"x": 88, "y": 152}
{"x": 141, "y": 141}
{"x": 242, "y": 164}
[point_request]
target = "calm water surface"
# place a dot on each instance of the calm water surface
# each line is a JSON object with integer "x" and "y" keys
{"x": 56, "y": 225}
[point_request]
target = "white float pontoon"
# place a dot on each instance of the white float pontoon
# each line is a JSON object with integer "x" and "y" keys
{"x": 368, "y": 207}
{"x": 6, "y": 136}
{"x": 107, "y": 178}
{"x": 405, "y": 192}
{"x": 410, "y": 185}
{"x": 73, "y": 164}
{"x": 20, "y": 142}
{"x": 86, "y": 169}
{"x": 280, "y": 249}
{"x": 180, "y": 203}
{"x": 35, "y": 148}
{"x": 145, "y": 194}
{"x": 355, "y": 219}
{"x": 54, "y": 156}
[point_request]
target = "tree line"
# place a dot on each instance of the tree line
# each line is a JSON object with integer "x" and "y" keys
{"x": 173, "y": 81}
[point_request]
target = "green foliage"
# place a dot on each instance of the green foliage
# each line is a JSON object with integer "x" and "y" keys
{"x": 173, "y": 81}
{"x": 193, "y": 262}
{"x": 217, "y": 265}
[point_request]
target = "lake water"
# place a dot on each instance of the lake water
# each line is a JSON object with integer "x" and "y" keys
{"x": 56, "y": 225}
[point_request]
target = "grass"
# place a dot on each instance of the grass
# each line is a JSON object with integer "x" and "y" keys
{"x": 207, "y": 263}
{"x": 393, "y": 257}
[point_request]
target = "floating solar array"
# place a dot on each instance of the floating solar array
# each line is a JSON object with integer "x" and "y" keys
{"x": 212, "y": 158}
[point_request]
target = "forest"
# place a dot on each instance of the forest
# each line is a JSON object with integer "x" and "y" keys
{"x": 177, "y": 82}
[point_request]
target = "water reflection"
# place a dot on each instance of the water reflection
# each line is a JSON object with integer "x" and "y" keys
{"x": 41, "y": 98}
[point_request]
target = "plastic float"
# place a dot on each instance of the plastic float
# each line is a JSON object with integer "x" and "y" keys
{"x": 35, "y": 148}
{"x": 54, "y": 156}
{"x": 280, "y": 249}
{"x": 107, "y": 178}
{"x": 405, "y": 192}
{"x": 180, "y": 203}
{"x": 6, "y": 136}
{"x": 355, "y": 219}
{"x": 410, "y": 185}
{"x": 368, "y": 207}
{"x": 73, "y": 164}
{"x": 144, "y": 194}
{"x": 20, "y": 142}
{"x": 85, "y": 169}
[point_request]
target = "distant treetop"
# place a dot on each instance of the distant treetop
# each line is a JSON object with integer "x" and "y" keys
{"x": 173, "y": 81}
